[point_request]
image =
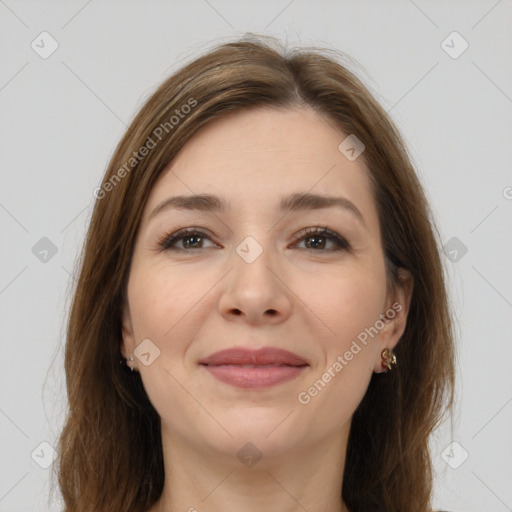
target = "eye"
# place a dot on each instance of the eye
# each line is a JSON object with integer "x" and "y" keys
{"x": 317, "y": 239}
{"x": 184, "y": 239}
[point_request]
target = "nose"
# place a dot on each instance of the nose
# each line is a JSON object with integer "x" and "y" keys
{"x": 255, "y": 292}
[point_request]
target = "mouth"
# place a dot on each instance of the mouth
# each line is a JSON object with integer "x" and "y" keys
{"x": 254, "y": 369}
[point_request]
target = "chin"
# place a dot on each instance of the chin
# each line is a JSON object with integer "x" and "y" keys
{"x": 266, "y": 428}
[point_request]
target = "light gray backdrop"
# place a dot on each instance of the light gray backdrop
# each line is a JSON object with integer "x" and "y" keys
{"x": 65, "y": 107}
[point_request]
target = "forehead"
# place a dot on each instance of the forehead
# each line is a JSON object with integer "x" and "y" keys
{"x": 255, "y": 157}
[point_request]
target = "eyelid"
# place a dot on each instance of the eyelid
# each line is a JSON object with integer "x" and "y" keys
{"x": 342, "y": 244}
{"x": 173, "y": 236}
{"x": 323, "y": 231}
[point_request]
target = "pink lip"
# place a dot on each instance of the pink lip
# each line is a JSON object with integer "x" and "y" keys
{"x": 249, "y": 368}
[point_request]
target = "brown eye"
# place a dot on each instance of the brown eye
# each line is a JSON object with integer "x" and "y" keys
{"x": 184, "y": 239}
{"x": 318, "y": 238}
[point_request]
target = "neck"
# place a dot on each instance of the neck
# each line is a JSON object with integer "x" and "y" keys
{"x": 202, "y": 480}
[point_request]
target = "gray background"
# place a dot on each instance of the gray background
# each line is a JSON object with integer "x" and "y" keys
{"x": 62, "y": 117}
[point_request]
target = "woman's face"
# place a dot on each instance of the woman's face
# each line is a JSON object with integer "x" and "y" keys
{"x": 255, "y": 274}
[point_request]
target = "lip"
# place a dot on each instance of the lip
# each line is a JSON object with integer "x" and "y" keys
{"x": 254, "y": 369}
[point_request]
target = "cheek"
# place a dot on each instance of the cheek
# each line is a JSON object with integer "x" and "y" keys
{"x": 165, "y": 302}
{"x": 347, "y": 302}
{"x": 357, "y": 308}
{"x": 167, "y": 306}
{"x": 170, "y": 305}
{"x": 339, "y": 382}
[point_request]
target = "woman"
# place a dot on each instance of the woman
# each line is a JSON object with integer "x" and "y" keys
{"x": 262, "y": 262}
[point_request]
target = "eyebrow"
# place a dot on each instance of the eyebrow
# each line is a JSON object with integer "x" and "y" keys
{"x": 294, "y": 202}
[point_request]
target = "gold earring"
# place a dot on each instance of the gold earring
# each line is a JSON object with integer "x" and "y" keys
{"x": 388, "y": 358}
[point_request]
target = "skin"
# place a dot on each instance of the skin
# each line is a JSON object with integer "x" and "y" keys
{"x": 297, "y": 295}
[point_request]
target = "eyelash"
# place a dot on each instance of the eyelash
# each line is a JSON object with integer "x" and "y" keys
{"x": 166, "y": 242}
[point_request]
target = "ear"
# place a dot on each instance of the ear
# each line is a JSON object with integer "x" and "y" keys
{"x": 128, "y": 338}
{"x": 396, "y": 312}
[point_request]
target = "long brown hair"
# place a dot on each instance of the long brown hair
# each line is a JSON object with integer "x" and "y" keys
{"x": 110, "y": 451}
